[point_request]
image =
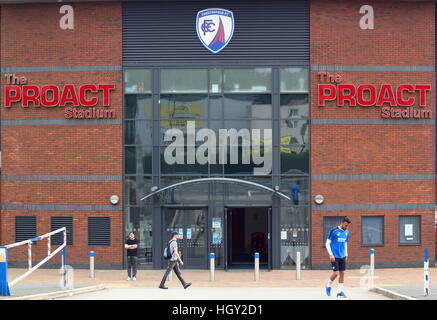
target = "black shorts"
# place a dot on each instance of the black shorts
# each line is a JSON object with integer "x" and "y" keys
{"x": 339, "y": 264}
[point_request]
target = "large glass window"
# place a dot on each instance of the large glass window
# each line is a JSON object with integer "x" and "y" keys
{"x": 294, "y": 80}
{"x": 297, "y": 188}
{"x": 184, "y": 80}
{"x": 138, "y": 132}
{"x": 273, "y": 101}
{"x": 294, "y": 106}
{"x": 372, "y": 231}
{"x": 293, "y": 124}
{"x": 241, "y": 106}
{"x": 138, "y": 81}
{"x": 185, "y": 194}
{"x": 138, "y": 160}
{"x": 238, "y": 192}
{"x": 138, "y": 106}
{"x": 183, "y": 106}
{"x": 330, "y": 223}
{"x": 139, "y": 221}
{"x": 248, "y": 80}
{"x": 135, "y": 188}
{"x": 294, "y": 236}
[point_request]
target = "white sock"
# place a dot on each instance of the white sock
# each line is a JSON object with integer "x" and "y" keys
{"x": 330, "y": 282}
{"x": 340, "y": 287}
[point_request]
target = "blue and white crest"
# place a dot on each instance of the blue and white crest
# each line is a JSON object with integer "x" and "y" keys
{"x": 215, "y": 28}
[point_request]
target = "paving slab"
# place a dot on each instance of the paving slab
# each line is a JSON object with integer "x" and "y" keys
{"x": 222, "y": 293}
{"x": 21, "y": 290}
{"x": 232, "y": 278}
{"x": 414, "y": 291}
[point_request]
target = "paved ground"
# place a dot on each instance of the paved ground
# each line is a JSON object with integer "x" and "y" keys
{"x": 222, "y": 293}
{"x": 414, "y": 291}
{"x": 311, "y": 280}
{"x": 234, "y": 278}
{"x": 28, "y": 289}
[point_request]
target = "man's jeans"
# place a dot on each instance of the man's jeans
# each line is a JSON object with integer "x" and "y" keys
{"x": 173, "y": 265}
{"x": 132, "y": 266}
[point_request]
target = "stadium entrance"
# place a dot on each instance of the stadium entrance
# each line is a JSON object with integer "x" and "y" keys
{"x": 190, "y": 223}
{"x": 248, "y": 231}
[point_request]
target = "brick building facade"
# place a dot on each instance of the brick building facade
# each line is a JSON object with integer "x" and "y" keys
{"x": 363, "y": 165}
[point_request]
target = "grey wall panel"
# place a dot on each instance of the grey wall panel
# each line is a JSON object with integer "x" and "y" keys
{"x": 266, "y": 32}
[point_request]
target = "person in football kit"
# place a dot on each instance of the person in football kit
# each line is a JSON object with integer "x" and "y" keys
{"x": 336, "y": 245}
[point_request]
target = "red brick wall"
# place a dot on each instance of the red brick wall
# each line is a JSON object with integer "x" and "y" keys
{"x": 403, "y": 36}
{"x": 31, "y": 36}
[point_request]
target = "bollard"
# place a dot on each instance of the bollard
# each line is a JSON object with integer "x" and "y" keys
{"x": 372, "y": 267}
{"x": 426, "y": 272}
{"x": 298, "y": 265}
{"x": 212, "y": 266}
{"x": 4, "y": 285}
{"x": 92, "y": 264}
{"x": 64, "y": 267}
{"x": 256, "y": 255}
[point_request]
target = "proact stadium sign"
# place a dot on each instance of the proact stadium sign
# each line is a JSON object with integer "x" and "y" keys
{"x": 78, "y": 102}
{"x": 396, "y": 102}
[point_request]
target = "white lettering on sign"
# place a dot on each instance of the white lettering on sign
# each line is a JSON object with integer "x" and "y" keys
{"x": 67, "y": 20}
{"x": 367, "y": 20}
{"x": 255, "y": 148}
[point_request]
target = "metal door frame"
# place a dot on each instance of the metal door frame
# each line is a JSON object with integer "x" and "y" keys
{"x": 206, "y": 212}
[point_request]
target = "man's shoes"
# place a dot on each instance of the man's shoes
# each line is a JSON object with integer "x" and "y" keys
{"x": 328, "y": 291}
{"x": 187, "y": 285}
{"x": 341, "y": 294}
{"x": 128, "y": 279}
{"x": 134, "y": 279}
{"x": 163, "y": 287}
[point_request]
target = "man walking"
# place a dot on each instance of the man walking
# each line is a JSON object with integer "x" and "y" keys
{"x": 173, "y": 263}
{"x": 336, "y": 245}
{"x": 131, "y": 246}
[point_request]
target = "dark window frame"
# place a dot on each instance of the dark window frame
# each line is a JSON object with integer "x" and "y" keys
{"x": 419, "y": 242}
{"x": 325, "y": 236}
{"x": 383, "y": 232}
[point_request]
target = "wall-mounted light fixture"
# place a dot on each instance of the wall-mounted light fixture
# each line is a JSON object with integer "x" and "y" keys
{"x": 319, "y": 199}
{"x": 114, "y": 199}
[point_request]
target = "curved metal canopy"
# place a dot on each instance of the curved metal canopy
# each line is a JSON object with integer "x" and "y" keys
{"x": 219, "y": 180}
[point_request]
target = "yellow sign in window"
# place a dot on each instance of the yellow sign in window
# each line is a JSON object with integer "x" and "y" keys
{"x": 2, "y": 255}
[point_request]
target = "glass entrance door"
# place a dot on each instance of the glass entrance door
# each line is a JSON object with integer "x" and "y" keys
{"x": 191, "y": 225}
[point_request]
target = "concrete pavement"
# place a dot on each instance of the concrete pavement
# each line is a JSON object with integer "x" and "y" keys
{"x": 282, "y": 279}
{"x": 222, "y": 293}
{"x": 414, "y": 291}
{"x": 28, "y": 289}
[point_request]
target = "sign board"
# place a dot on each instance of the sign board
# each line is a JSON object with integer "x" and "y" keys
{"x": 216, "y": 222}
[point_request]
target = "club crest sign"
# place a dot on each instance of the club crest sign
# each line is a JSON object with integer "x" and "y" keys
{"x": 215, "y": 28}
